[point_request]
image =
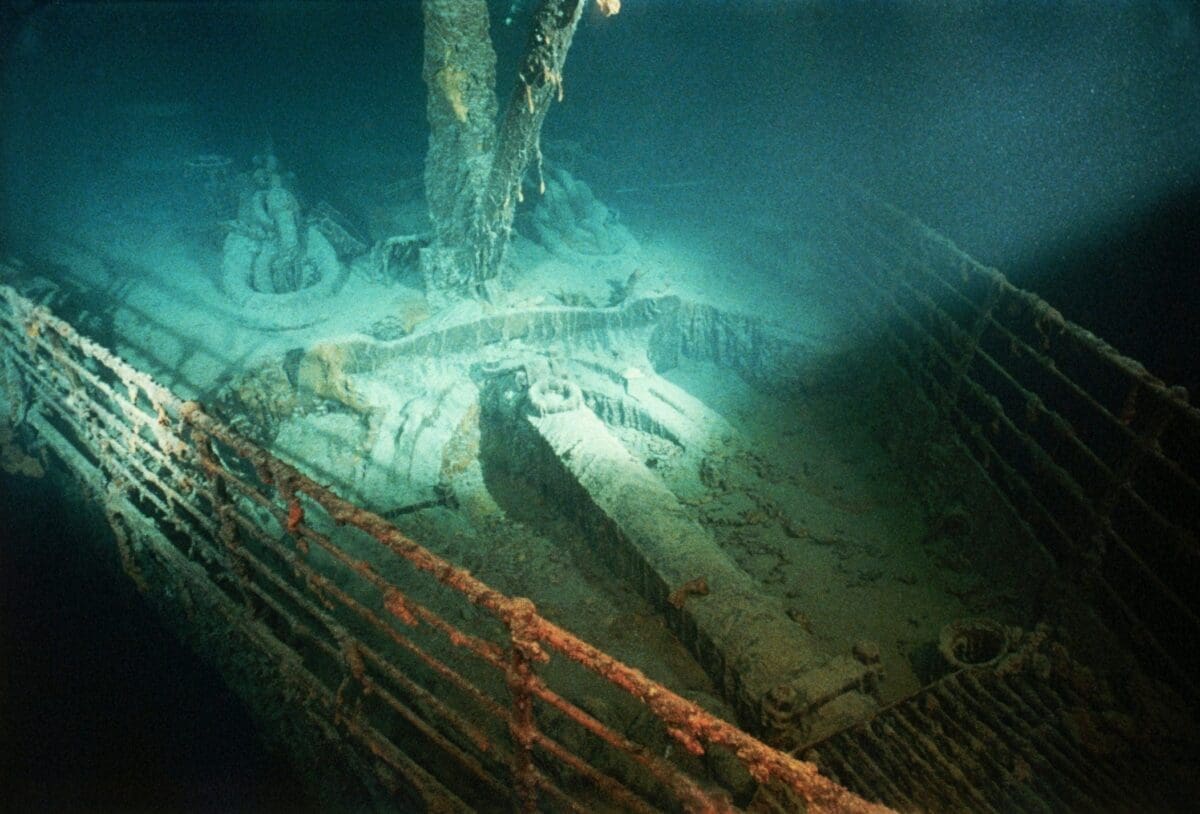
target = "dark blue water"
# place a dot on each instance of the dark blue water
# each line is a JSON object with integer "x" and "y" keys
{"x": 101, "y": 707}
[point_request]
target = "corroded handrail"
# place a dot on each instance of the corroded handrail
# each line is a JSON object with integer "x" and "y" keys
{"x": 208, "y": 484}
{"x": 1098, "y": 458}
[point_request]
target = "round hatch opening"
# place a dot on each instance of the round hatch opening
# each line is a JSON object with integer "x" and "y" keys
{"x": 973, "y": 643}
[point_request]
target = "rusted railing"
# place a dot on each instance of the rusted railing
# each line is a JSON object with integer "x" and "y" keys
{"x": 369, "y": 612}
{"x": 1099, "y": 459}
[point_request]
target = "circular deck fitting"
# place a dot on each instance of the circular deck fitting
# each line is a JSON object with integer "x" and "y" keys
{"x": 554, "y": 394}
{"x": 973, "y": 643}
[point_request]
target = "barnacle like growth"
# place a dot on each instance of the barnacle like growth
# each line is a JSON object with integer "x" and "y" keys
{"x": 477, "y": 161}
{"x": 553, "y": 78}
{"x": 450, "y": 81}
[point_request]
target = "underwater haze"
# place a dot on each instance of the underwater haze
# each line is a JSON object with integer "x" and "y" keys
{"x": 1053, "y": 140}
{"x": 1057, "y": 141}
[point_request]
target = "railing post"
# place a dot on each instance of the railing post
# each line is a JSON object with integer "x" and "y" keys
{"x": 116, "y": 522}
{"x": 14, "y": 388}
{"x": 524, "y": 651}
{"x": 222, "y": 506}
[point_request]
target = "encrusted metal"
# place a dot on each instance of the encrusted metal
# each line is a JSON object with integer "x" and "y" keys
{"x": 455, "y": 696}
{"x": 1098, "y": 459}
{"x": 1030, "y": 737}
{"x": 360, "y": 620}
